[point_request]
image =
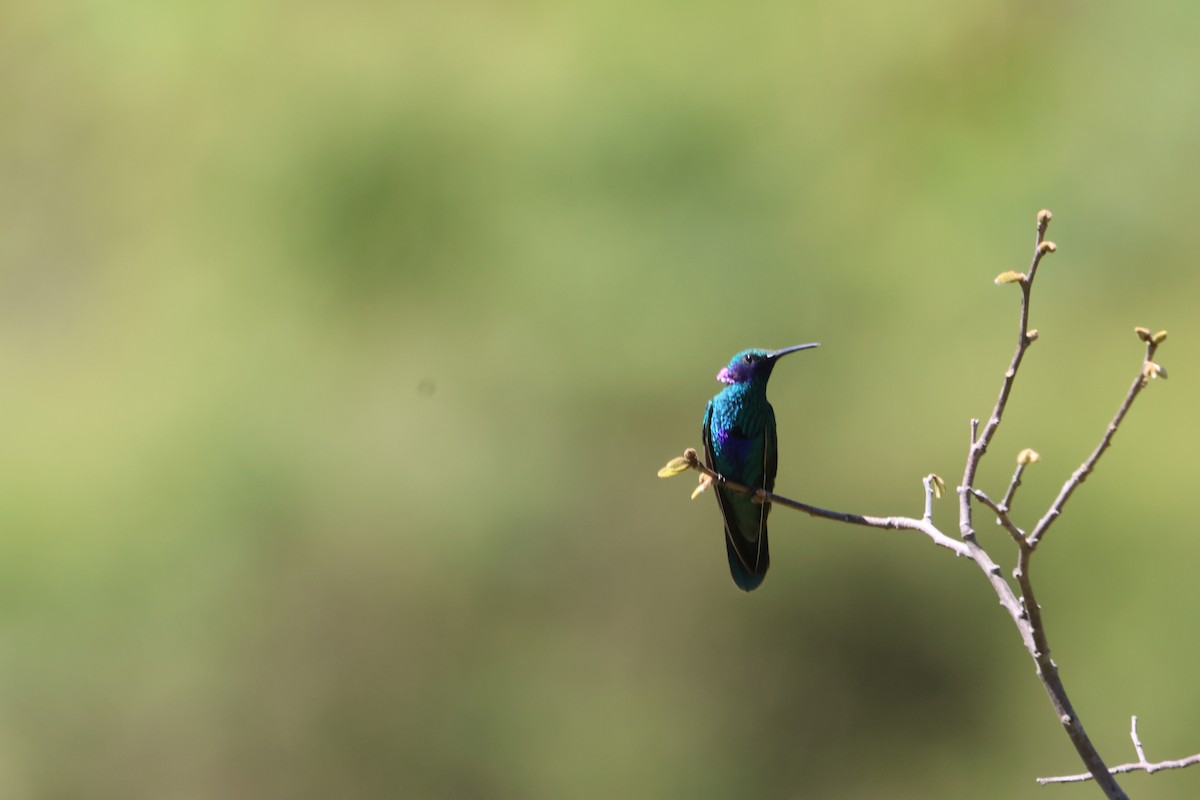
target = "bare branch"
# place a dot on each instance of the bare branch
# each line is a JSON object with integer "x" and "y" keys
{"x": 925, "y": 525}
{"x": 1137, "y": 743}
{"x": 1047, "y": 672}
{"x": 1145, "y": 371}
{"x": 933, "y": 486}
{"x": 969, "y": 549}
{"x": 1013, "y": 485}
{"x": 979, "y": 444}
{"x": 1141, "y": 765}
{"x": 1024, "y": 458}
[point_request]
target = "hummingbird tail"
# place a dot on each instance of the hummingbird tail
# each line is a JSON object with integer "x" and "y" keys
{"x": 746, "y": 578}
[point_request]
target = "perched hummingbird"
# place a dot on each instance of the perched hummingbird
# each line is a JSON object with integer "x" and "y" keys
{"x": 740, "y": 443}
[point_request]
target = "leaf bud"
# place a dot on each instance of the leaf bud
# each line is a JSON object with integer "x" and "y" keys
{"x": 1151, "y": 371}
{"x": 674, "y": 467}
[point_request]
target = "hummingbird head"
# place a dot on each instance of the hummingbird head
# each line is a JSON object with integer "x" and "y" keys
{"x": 755, "y": 365}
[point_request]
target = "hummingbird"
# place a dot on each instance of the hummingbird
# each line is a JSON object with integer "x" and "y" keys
{"x": 741, "y": 444}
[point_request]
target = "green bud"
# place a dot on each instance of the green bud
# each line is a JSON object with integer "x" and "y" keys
{"x": 674, "y": 467}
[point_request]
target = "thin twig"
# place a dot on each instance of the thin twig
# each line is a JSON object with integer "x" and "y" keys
{"x": 928, "y": 482}
{"x": 1001, "y": 517}
{"x": 1085, "y": 469}
{"x": 1013, "y": 485}
{"x": 925, "y": 526}
{"x": 979, "y": 444}
{"x": 1141, "y": 765}
{"x": 1137, "y": 743}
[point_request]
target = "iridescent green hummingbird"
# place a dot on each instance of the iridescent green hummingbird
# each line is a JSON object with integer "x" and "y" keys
{"x": 741, "y": 443}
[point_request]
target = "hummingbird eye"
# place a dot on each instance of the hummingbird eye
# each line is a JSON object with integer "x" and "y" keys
{"x": 749, "y": 358}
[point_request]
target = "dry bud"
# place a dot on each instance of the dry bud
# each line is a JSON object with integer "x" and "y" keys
{"x": 1032, "y": 335}
{"x": 1142, "y": 333}
{"x": 1028, "y": 456}
{"x": 939, "y": 485}
{"x": 1047, "y": 247}
{"x": 705, "y": 482}
{"x": 1009, "y": 277}
{"x": 1044, "y": 216}
{"x": 1159, "y": 337}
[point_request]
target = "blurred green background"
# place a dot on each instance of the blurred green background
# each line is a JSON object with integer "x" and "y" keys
{"x": 340, "y": 345}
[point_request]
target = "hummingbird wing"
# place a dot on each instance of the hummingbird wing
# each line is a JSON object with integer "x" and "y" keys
{"x": 770, "y": 460}
{"x": 745, "y": 521}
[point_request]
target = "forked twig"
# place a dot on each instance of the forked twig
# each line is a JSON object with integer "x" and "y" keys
{"x": 1141, "y": 765}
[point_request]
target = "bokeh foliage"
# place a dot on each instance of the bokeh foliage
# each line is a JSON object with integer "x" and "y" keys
{"x": 340, "y": 344}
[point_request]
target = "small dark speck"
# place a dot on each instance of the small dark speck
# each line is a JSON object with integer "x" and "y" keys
{"x": 426, "y": 387}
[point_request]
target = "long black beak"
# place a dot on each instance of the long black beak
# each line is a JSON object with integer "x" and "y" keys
{"x": 776, "y": 354}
